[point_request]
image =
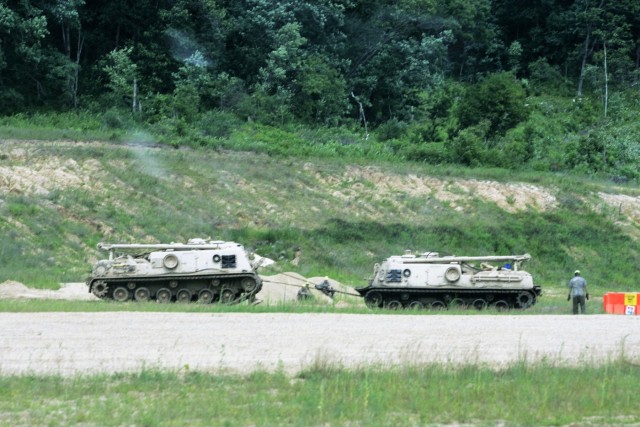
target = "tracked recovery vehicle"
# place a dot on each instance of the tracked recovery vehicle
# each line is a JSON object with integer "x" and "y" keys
{"x": 440, "y": 282}
{"x": 201, "y": 271}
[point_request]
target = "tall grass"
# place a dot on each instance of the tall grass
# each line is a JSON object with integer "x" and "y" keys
{"x": 75, "y": 126}
{"x": 323, "y": 394}
{"x": 553, "y": 302}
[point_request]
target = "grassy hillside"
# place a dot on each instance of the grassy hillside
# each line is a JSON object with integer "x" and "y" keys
{"x": 59, "y": 199}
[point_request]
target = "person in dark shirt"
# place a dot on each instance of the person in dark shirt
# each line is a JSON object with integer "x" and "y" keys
{"x": 326, "y": 288}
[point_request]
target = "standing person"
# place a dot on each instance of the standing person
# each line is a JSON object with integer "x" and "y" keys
{"x": 578, "y": 290}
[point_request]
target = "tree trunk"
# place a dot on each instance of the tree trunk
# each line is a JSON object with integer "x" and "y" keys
{"x": 635, "y": 80}
{"x": 588, "y": 47}
{"x": 66, "y": 40}
{"x": 606, "y": 81}
{"x": 135, "y": 94}
{"x": 585, "y": 54}
{"x": 74, "y": 77}
{"x": 362, "y": 116}
{"x": 76, "y": 73}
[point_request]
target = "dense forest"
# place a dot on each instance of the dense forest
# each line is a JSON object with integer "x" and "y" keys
{"x": 548, "y": 85}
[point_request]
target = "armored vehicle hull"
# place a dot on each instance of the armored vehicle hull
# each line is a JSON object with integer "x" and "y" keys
{"x": 199, "y": 271}
{"x": 431, "y": 281}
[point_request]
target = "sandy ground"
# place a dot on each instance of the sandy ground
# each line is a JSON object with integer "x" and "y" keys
{"x": 81, "y": 343}
{"x": 276, "y": 289}
{"x": 68, "y": 291}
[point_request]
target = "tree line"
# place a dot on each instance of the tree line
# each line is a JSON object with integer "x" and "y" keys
{"x": 448, "y": 78}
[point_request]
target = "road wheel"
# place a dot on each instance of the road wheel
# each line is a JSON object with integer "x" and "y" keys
{"x": 183, "y": 296}
{"x": 525, "y": 299}
{"x": 479, "y": 304}
{"x": 227, "y": 296}
{"x": 373, "y": 299}
{"x": 438, "y": 305}
{"x": 394, "y": 305}
{"x": 205, "y": 296}
{"x": 501, "y": 305}
{"x": 416, "y": 305}
{"x": 163, "y": 296}
{"x": 248, "y": 284}
{"x": 142, "y": 294}
{"x": 121, "y": 294}
{"x": 457, "y": 304}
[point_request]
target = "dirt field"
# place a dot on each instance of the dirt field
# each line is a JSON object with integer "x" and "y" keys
{"x": 77, "y": 343}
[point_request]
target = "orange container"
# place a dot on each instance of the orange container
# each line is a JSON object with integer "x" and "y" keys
{"x": 622, "y": 303}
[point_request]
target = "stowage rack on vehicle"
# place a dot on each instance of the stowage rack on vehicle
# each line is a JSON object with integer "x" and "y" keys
{"x": 202, "y": 271}
{"x": 432, "y": 281}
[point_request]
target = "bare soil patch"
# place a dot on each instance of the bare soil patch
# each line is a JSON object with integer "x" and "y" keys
{"x": 276, "y": 289}
{"x": 86, "y": 343}
{"x": 83, "y": 343}
{"x": 68, "y": 291}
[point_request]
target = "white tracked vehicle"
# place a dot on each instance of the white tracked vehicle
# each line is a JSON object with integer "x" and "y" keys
{"x": 202, "y": 271}
{"x": 432, "y": 281}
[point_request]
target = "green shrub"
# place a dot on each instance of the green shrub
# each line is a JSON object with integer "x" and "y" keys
{"x": 546, "y": 78}
{"x": 499, "y": 100}
{"x": 469, "y": 147}
{"x": 391, "y": 129}
{"x": 428, "y": 152}
{"x": 218, "y": 124}
{"x": 514, "y": 149}
{"x": 113, "y": 119}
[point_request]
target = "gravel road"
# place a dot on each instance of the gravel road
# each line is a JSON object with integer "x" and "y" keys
{"x": 73, "y": 343}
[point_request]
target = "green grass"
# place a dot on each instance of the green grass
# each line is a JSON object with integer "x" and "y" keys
{"x": 322, "y": 394}
{"x": 343, "y": 221}
{"x": 554, "y": 302}
{"x": 74, "y": 126}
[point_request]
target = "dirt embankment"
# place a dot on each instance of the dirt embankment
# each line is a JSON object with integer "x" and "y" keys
{"x": 28, "y": 172}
